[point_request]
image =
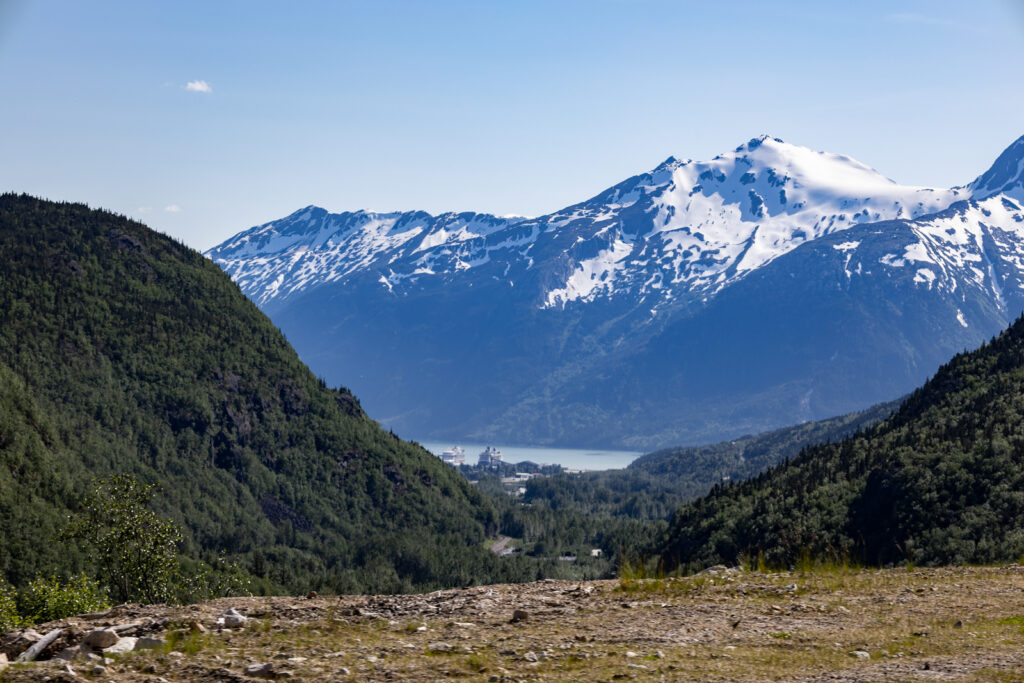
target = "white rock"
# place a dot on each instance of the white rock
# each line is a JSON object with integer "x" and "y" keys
{"x": 232, "y": 619}
{"x": 860, "y": 654}
{"x": 260, "y": 670}
{"x": 126, "y": 644}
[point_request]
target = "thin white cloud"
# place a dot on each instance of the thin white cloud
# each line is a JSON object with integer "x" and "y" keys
{"x": 172, "y": 208}
{"x": 198, "y": 86}
{"x": 144, "y": 209}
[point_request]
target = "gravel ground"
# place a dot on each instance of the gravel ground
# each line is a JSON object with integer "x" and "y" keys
{"x": 722, "y": 625}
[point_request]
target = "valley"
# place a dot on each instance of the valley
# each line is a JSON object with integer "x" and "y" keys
{"x": 381, "y": 341}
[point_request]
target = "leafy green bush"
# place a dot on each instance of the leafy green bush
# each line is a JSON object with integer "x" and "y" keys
{"x": 211, "y": 579}
{"x": 9, "y": 618}
{"x": 47, "y": 599}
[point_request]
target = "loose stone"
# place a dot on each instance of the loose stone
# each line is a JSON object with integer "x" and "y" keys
{"x": 101, "y": 638}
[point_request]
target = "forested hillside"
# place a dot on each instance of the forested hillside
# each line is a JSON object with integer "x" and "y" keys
{"x": 940, "y": 482}
{"x": 122, "y": 351}
{"x": 656, "y": 484}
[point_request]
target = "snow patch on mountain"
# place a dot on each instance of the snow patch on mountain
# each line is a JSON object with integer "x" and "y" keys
{"x": 592, "y": 275}
{"x": 974, "y": 243}
{"x": 681, "y": 232}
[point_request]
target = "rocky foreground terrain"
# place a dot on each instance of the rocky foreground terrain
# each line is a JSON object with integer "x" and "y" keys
{"x": 831, "y": 624}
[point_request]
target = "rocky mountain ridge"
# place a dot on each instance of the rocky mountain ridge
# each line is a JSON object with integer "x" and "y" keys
{"x": 697, "y": 302}
{"x": 684, "y": 229}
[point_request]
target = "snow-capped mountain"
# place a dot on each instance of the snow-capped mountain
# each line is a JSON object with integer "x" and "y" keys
{"x": 627, "y": 318}
{"x": 683, "y": 227}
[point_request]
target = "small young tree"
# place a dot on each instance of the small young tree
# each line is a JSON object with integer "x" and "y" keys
{"x": 137, "y": 550}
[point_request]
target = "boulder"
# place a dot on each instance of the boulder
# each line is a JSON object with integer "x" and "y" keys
{"x": 261, "y": 671}
{"x": 233, "y": 618}
{"x": 126, "y": 644}
{"x": 101, "y": 638}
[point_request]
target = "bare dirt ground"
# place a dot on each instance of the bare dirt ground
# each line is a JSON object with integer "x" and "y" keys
{"x": 964, "y": 624}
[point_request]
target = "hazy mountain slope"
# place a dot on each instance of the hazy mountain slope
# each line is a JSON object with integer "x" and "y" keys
{"x": 939, "y": 482}
{"x": 123, "y": 351}
{"x": 837, "y": 323}
{"x": 696, "y": 302}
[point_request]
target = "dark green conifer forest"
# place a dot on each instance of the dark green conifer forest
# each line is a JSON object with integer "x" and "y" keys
{"x": 125, "y": 352}
{"x": 940, "y": 482}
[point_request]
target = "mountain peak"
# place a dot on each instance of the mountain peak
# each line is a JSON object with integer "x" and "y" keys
{"x": 671, "y": 163}
{"x": 754, "y": 143}
{"x": 1006, "y": 176}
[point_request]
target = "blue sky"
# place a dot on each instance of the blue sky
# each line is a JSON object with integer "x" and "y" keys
{"x": 506, "y": 107}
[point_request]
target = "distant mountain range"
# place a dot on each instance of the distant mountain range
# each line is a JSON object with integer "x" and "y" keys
{"x": 697, "y": 302}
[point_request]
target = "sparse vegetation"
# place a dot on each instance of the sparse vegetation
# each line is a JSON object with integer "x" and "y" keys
{"x": 48, "y": 599}
{"x": 727, "y": 624}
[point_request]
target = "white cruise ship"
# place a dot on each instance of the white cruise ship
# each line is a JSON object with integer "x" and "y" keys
{"x": 454, "y": 456}
{"x": 490, "y": 457}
